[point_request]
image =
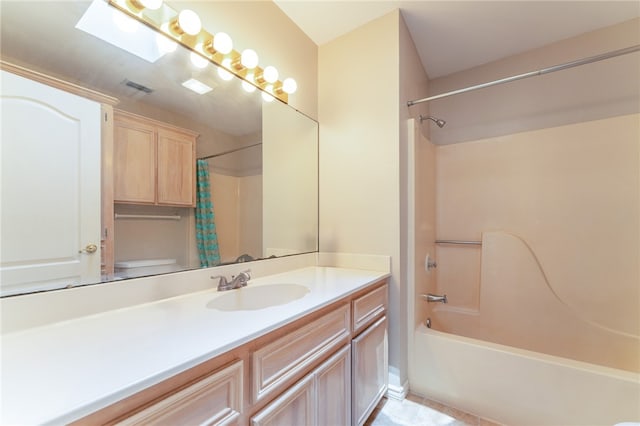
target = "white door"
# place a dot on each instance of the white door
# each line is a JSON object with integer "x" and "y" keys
{"x": 50, "y": 183}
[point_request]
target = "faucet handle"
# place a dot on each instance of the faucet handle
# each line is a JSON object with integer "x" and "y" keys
{"x": 223, "y": 279}
{"x": 242, "y": 277}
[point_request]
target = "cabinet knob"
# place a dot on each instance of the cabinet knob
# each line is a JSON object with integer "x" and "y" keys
{"x": 90, "y": 248}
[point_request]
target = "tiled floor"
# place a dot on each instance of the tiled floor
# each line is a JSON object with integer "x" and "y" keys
{"x": 417, "y": 411}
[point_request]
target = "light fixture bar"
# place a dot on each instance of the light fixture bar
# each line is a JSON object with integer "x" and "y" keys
{"x": 164, "y": 19}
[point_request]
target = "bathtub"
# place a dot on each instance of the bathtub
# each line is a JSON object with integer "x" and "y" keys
{"x": 525, "y": 338}
{"x": 519, "y": 387}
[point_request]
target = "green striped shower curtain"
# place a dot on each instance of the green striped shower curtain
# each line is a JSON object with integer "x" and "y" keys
{"x": 206, "y": 236}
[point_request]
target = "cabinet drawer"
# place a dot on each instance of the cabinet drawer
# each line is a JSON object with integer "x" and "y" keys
{"x": 369, "y": 307}
{"x": 216, "y": 399}
{"x": 287, "y": 356}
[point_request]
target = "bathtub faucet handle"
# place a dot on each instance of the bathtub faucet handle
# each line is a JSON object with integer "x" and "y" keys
{"x": 435, "y": 298}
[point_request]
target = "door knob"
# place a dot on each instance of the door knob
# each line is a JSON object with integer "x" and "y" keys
{"x": 90, "y": 248}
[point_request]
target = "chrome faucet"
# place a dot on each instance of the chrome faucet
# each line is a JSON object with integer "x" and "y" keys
{"x": 435, "y": 298}
{"x": 237, "y": 281}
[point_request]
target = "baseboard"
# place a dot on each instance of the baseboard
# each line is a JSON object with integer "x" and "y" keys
{"x": 398, "y": 392}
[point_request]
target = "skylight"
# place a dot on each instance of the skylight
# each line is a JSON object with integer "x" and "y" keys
{"x": 111, "y": 25}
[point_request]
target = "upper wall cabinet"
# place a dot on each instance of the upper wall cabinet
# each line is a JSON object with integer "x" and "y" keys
{"x": 154, "y": 163}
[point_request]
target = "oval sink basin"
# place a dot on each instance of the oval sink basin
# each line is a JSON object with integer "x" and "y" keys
{"x": 259, "y": 297}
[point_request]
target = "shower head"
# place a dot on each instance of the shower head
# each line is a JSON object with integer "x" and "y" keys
{"x": 439, "y": 122}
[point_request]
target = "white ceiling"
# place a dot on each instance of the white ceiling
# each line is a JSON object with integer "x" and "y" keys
{"x": 453, "y": 36}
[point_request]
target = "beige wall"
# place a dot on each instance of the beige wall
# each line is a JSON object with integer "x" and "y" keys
{"x": 572, "y": 195}
{"x": 359, "y": 156}
{"x": 363, "y": 155}
{"x": 138, "y": 239}
{"x": 290, "y": 181}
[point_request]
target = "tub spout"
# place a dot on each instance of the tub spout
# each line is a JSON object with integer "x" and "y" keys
{"x": 435, "y": 298}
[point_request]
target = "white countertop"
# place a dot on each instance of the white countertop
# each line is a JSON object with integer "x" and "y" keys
{"x": 61, "y": 372}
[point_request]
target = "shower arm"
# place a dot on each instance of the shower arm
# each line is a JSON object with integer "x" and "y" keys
{"x": 438, "y": 121}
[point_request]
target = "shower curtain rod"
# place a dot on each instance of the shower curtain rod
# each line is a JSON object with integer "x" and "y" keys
{"x": 230, "y": 151}
{"x": 543, "y": 71}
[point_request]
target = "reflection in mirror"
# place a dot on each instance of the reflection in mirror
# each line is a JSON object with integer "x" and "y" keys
{"x": 261, "y": 160}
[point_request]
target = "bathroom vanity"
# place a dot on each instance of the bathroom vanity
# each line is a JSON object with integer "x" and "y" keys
{"x": 306, "y": 346}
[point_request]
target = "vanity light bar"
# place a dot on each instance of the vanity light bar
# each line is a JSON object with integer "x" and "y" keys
{"x": 166, "y": 20}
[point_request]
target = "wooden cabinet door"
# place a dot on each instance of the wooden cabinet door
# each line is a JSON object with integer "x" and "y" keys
{"x": 214, "y": 400}
{"x": 333, "y": 389}
{"x": 295, "y": 407}
{"x": 176, "y": 169}
{"x": 134, "y": 162}
{"x": 370, "y": 370}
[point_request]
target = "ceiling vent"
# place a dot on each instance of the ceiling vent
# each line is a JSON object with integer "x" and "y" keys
{"x": 137, "y": 86}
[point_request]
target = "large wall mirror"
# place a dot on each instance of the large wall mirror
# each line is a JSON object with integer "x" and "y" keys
{"x": 261, "y": 157}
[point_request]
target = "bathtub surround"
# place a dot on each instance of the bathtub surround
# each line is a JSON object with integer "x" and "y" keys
{"x": 555, "y": 199}
{"x": 238, "y": 210}
{"x": 557, "y": 210}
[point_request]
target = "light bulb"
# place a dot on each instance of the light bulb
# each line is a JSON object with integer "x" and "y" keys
{"x": 270, "y": 74}
{"x": 267, "y": 97}
{"x": 198, "y": 61}
{"x": 165, "y": 44}
{"x": 248, "y": 87}
{"x": 151, "y": 4}
{"x": 189, "y": 22}
{"x": 222, "y": 43}
{"x": 223, "y": 73}
{"x": 249, "y": 58}
{"x": 289, "y": 85}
